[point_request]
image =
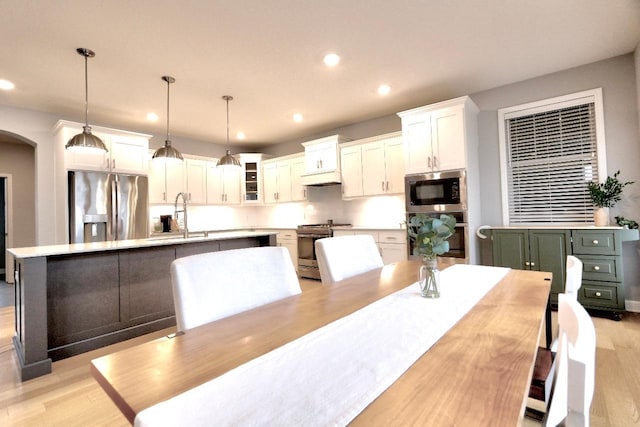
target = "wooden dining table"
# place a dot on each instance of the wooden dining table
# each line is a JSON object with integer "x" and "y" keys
{"x": 478, "y": 373}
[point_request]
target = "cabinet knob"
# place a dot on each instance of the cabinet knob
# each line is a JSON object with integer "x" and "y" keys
{"x": 596, "y": 267}
{"x": 598, "y": 294}
{"x": 595, "y": 242}
{"x": 527, "y": 263}
{"x": 533, "y": 264}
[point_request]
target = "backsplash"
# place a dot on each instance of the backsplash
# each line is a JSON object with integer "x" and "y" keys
{"x": 324, "y": 203}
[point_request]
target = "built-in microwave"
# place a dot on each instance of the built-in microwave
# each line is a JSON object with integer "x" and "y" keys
{"x": 436, "y": 191}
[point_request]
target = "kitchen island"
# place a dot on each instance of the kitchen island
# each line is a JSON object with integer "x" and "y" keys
{"x": 78, "y": 297}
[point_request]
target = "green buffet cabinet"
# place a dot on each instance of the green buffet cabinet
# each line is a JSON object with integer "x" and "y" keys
{"x": 529, "y": 249}
{"x": 599, "y": 249}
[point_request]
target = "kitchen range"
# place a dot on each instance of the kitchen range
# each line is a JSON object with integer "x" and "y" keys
{"x": 307, "y": 236}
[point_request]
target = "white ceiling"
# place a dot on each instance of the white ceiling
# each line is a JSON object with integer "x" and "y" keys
{"x": 268, "y": 55}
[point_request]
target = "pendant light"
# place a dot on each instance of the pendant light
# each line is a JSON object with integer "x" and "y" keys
{"x": 167, "y": 152}
{"x": 86, "y": 141}
{"x": 228, "y": 159}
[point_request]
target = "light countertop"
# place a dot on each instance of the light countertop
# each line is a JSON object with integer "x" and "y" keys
{"x": 174, "y": 239}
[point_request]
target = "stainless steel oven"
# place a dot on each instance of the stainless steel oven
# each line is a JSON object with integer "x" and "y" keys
{"x": 307, "y": 236}
{"x": 436, "y": 191}
{"x": 457, "y": 243}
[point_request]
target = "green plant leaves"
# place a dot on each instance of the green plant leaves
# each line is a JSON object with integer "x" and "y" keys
{"x": 608, "y": 193}
{"x": 430, "y": 234}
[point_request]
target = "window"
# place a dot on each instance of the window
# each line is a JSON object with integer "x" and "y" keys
{"x": 550, "y": 149}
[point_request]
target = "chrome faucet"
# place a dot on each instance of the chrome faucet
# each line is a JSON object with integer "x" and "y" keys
{"x": 184, "y": 211}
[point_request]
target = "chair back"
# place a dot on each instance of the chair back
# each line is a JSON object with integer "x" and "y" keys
{"x": 213, "y": 285}
{"x": 346, "y": 256}
{"x": 575, "y": 366}
{"x": 574, "y": 276}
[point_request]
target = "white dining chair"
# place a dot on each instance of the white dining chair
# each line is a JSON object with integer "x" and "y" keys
{"x": 346, "y": 256}
{"x": 574, "y": 379}
{"x": 574, "y": 276}
{"x": 213, "y": 285}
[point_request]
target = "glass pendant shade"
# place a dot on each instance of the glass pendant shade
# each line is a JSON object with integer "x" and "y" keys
{"x": 167, "y": 153}
{"x": 228, "y": 160}
{"x": 86, "y": 141}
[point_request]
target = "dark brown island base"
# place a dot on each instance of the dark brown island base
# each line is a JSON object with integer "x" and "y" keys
{"x": 74, "y": 298}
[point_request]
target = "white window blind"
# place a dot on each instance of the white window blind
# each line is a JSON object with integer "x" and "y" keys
{"x": 551, "y": 155}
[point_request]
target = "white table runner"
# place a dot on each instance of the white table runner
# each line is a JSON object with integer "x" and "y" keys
{"x": 330, "y": 375}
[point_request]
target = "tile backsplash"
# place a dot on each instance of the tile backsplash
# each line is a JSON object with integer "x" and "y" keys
{"x": 324, "y": 203}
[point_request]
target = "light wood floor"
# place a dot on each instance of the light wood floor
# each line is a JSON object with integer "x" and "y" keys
{"x": 69, "y": 396}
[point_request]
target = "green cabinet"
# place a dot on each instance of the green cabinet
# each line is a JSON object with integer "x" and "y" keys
{"x": 600, "y": 251}
{"x": 534, "y": 249}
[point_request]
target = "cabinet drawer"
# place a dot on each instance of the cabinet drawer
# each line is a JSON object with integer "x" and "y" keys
{"x": 392, "y": 237}
{"x": 599, "y": 295}
{"x": 287, "y": 235}
{"x": 593, "y": 242}
{"x": 373, "y": 234}
{"x": 601, "y": 268}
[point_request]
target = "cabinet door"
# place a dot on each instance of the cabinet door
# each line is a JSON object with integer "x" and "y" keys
{"x": 394, "y": 166}
{"x": 196, "y": 171}
{"x": 373, "y": 169}
{"x": 270, "y": 181}
{"x": 392, "y": 252}
{"x": 292, "y": 247}
{"x": 351, "y": 164}
{"x": 129, "y": 155}
{"x": 416, "y": 133}
{"x": 215, "y": 184}
{"x": 298, "y": 191}
{"x": 175, "y": 180}
{"x": 284, "y": 181}
{"x": 511, "y": 248}
{"x": 82, "y": 160}
{"x": 549, "y": 250}
{"x": 231, "y": 185}
{"x": 157, "y": 182}
{"x": 447, "y": 130}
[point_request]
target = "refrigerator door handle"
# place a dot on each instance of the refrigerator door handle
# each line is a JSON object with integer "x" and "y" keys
{"x": 115, "y": 203}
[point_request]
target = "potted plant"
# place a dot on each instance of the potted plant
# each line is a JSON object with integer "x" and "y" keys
{"x": 604, "y": 196}
{"x": 430, "y": 236}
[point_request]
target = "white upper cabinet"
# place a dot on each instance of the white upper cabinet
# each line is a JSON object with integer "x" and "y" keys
{"x": 223, "y": 185}
{"x": 251, "y": 178}
{"x": 435, "y": 136}
{"x": 196, "y": 171}
{"x": 281, "y": 179}
{"x": 166, "y": 180}
{"x": 298, "y": 191}
{"x": 322, "y": 161}
{"x": 351, "y": 163}
{"x": 373, "y": 166}
{"x": 127, "y": 150}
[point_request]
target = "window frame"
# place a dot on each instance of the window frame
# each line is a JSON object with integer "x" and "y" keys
{"x": 549, "y": 104}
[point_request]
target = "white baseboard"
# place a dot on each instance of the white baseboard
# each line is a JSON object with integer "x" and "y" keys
{"x": 632, "y": 305}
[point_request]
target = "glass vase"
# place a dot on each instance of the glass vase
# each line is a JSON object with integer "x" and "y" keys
{"x": 429, "y": 278}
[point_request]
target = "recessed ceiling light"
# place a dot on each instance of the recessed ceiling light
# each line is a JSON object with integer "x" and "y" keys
{"x": 152, "y": 117}
{"x": 297, "y": 117}
{"x": 241, "y": 135}
{"x": 331, "y": 60}
{"x": 6, "y": 85}
{"x": 384, "y": 89}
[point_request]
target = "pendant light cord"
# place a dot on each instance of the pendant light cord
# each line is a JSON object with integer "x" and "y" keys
{"x": 228, "y": 146}
{"x": 86, "y": 91}
{"x": 168, "y": 84}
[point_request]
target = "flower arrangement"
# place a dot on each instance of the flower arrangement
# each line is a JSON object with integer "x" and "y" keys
{"x": 430, "y": 234}
{"x": 607, "y": 194}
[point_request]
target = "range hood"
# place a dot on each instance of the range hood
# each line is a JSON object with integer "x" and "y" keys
{"x": 319, "y": 179}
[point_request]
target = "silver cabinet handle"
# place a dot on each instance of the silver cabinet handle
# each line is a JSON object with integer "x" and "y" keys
{"x": 383, "y": 186}
{"x": 595, "y": 242}
{"x": 113, "y": 164}
{"x": 387, "y": 185}
{"x": 435, "y": 161}
{"x": 596, "y": 267}
{"x": 598, "y": 294}
{"x": 429, "y": 161}
{"x": 164, "y": 196}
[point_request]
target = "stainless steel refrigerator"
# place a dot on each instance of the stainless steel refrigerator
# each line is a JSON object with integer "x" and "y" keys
{"x": 107, "y": 206}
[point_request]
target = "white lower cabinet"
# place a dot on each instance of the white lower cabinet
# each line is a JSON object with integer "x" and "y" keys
{"x": 392, "y": 244}
{"x": 289, "y": 240}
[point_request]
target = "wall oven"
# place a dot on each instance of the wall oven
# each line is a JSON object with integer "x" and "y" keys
{"x": 439, "y": 193}
{"x": 436, "y": 191}
{"x": 457, "y": 243}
